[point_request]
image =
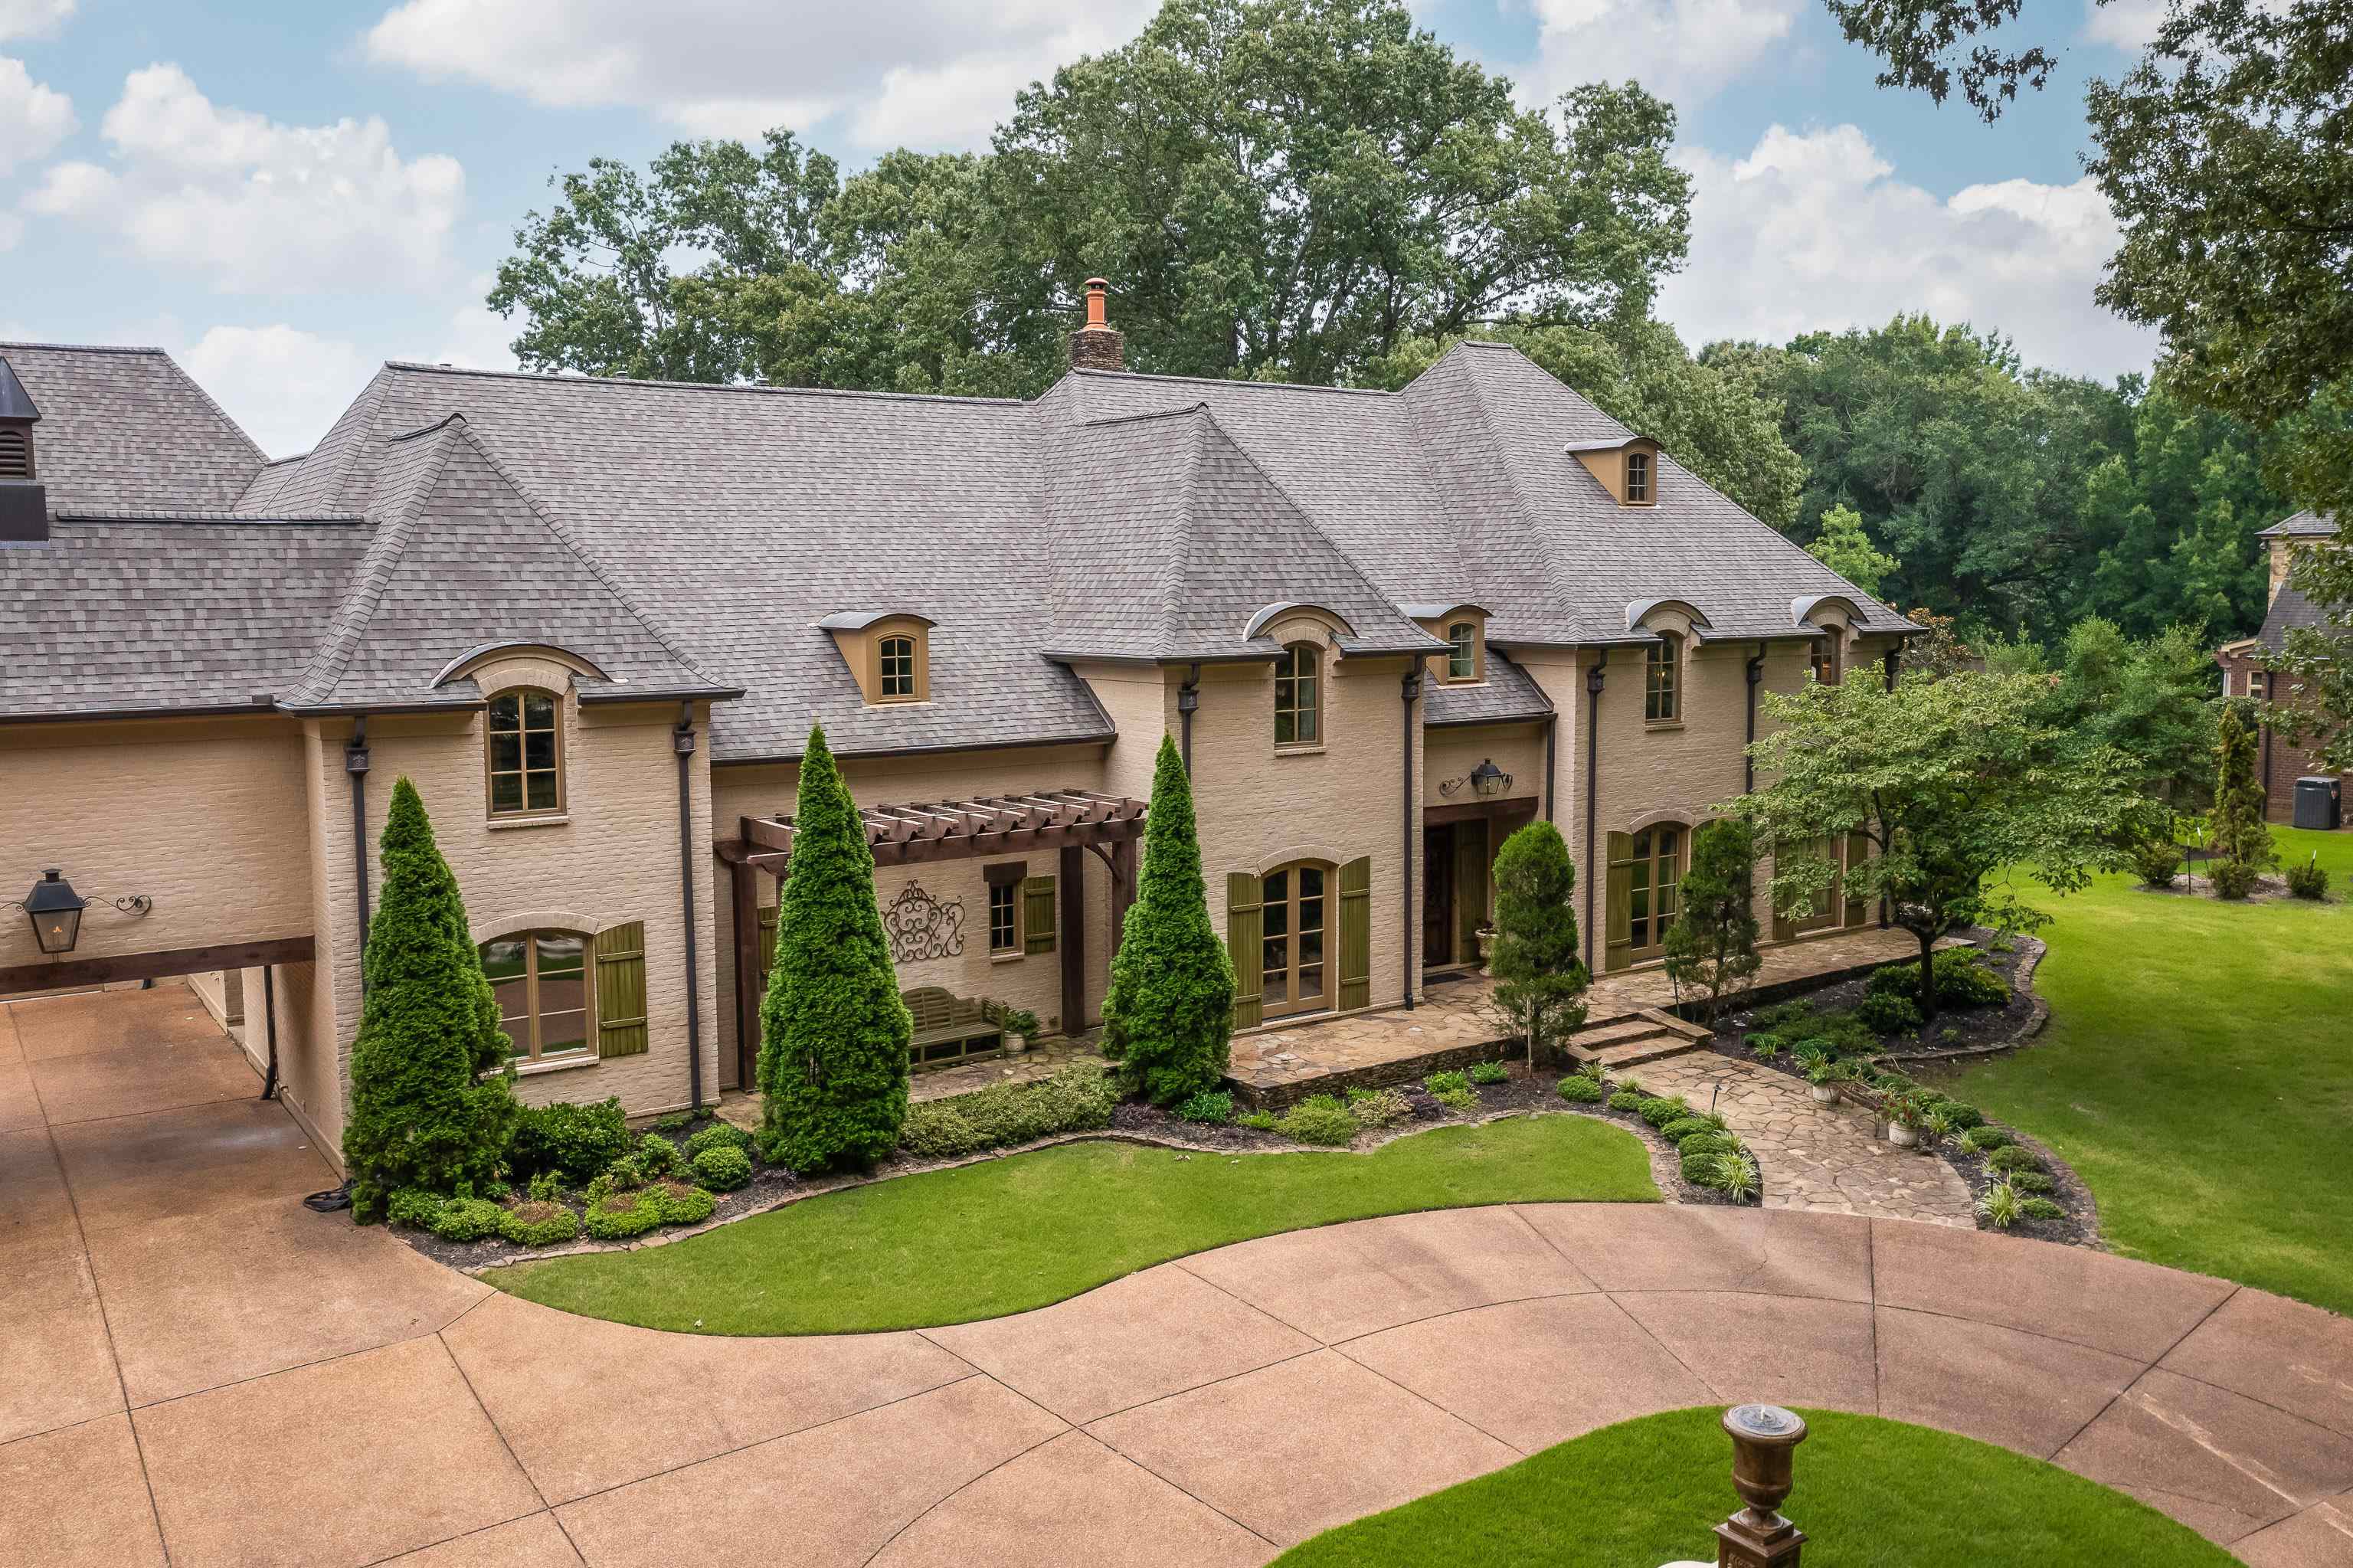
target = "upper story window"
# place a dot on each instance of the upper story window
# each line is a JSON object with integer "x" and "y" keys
{"x": 1637, "y": 479}
{"x": 1462, "y": 651}
{"x": 2256, "y": 684}
{"x": 1827, "y": 659}
{"x": 1299, "y": 696}
{"x": 1662, "y": 689}
{"x": 526, "y": 752}
{"x": 895, "y": 669}
{"x": 541, "y": 980}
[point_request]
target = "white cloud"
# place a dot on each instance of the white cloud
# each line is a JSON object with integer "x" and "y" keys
{"x": 1683, "y": 50}
{"x": 477, "y": 337}
{"x": 283, "y": 385}
{"x": 1813, "y": 230}
{"x": 12, "y": 229}
{"x": 33, "y": 19}
{"x": 938, "y": 73}
{"x": 2124, "y": 24}
{"x": 250, "y": 204}
{"x": 33, "y": 118}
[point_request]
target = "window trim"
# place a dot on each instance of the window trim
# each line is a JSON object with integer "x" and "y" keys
{"x": 1636, "y": 953}
{"x": 1830, "y": 649}
{"x": 527, "y": 1052}
{"x": 1473, "y": 649}
{"x": 1662, "y": 682}
{"x": 1315, "y": 675}
{"x": 920, "y": 654}
{"x": 1642, "y": 491}
{"x": 1327, "y": 998}
{"x": 491, "y": 771}
{"x": 1011, "y": 948}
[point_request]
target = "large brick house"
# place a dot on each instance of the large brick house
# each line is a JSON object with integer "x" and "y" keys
{"x": 2251, "y": 665}
{"x": 594, "y": 619}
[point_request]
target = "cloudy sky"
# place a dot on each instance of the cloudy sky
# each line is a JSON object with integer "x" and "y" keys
{"x": 284, "y": 194}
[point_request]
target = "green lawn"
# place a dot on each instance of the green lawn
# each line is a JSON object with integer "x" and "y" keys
{"x": 1005, "y": 1236}
{"x": 1870, "y": 1494}
{"x": 2198, "y": 1071}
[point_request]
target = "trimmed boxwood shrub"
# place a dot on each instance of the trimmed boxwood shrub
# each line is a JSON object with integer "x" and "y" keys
{"x": 2012, "y": 1158}
{"x": 1578, "y": 1089}
{"x": 1708, "y": 1143}
{"x": 1661, "y": 1111}
{"x": 617, "y": 1216}
{"x": 413, "y": 1207}
{"x": 1682, "y": 1127}
{"x": 1318, "y": 1118}
{"x": 2032, "y": 1182}
{"x": 468, "y": 1219}
{"x": 718, "y": 1135}
{"x": 1628, "y": 1100}
{"x": 723, "y": 1167}
{"x": 656, "y": 1155}
{"x": 2041, "y": 1208}
{"x": 1963, "y": 980}
{"x": 576, "y": 1142}
{"x": 679, "y": 1203}
{"x": 1079, "y": 1099}
{"x": 936, "y": 1129}
{"x": 1213, "y": 1108}
{"x": 1964, "y": 1118}
{"x": 1986, "y": 1139}
{"x": 539, "y": 1225}
{"x": 1883, "y": 1012}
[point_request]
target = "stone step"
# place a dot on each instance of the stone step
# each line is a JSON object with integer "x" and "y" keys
{"x": 1648, "y": 1035}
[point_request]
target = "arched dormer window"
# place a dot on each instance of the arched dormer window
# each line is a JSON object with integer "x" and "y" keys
{"x": 1829, "y": 663}
{"x": 1299, "y": 696}
{"x": 1637, "y": 479}
{"x": 525, "y": 753}
{"x": 1462, "y": 651}
{"x": 1661, "y": 680}
{"x": 894, "y": 668}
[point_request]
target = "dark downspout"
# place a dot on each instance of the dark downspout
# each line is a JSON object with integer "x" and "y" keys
{"x": 269, "y": 1022}
{"x": 1552, "y": 763}
{"x": 1593, "y": 679}
{"x": 682, "y": 742}
{"x": 1188, "y": 697}
{"x": 1755, "y": 676}
{"x": 1895, "y": 655}
{"x": 355, "y": 763}
{"x": 1410, "y": 689}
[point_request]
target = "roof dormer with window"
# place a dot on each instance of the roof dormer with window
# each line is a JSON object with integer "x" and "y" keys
{"x": 889, "y": 653}
{"x": 1628, "y": 467}
{"x": 1463, "y": 629}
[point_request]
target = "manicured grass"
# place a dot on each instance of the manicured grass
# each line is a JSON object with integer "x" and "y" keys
{"x": 1870, "y": 1494}
{"x": 2198, "y": 1071}
{"x": 1005, "y": 1236}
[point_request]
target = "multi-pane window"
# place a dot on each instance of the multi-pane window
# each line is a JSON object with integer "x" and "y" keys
{"x": 2255, "y": 683}
{"x": 1291, "y": 945}
{"x": 1299, "y": 696}
{"x": 541, "y": 980}
{"x": 1661, "y": 697}
{"x": 1004, "y": 917}
{"x": 526, "y": 752}
{"x": 1826, "y": 660}
{"x": 897, "y": 660}
{"x": 1637, "y": 479}
{"x": 1653, "y": 882}
{"x": 1462, "y": 652}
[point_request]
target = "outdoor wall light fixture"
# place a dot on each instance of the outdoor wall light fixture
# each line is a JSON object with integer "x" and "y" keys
{"x": 1489, "y": 780}
{"x": 55, "y": 909}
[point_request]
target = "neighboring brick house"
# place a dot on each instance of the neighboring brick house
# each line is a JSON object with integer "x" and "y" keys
{"x": 593, "y": 620}
{"x": 2250, "y": 666}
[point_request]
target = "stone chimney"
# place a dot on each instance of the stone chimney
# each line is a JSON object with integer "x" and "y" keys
{"x": 1095, "y": 346}
{"x": 2283, "y": 558}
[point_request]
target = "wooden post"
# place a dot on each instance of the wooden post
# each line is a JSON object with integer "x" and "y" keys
{"x": 1072, "y": 879}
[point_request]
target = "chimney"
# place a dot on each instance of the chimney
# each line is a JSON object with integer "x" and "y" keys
{"x": 1095, "y": 346}
{"x": 24, "y": 502}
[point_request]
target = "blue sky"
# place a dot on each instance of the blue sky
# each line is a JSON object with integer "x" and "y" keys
{"x": 284, "y": 194}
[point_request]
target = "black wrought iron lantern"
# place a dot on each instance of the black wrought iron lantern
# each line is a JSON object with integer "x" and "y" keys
{"x": 55, "y": 909}
{"x": 1489, "y": 780}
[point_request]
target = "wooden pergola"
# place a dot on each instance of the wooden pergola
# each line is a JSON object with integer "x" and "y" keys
{"x": 1070, "y": 823}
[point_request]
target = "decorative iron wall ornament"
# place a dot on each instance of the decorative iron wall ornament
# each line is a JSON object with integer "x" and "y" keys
{"x": 919, "y": 926}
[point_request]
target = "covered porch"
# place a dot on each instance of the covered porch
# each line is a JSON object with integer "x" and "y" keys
{"x": 1628, "y": 1019}
{"x": 1038, "y": 844}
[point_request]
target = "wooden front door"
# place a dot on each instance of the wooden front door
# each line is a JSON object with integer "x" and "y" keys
{"x": 1438, "y": 896}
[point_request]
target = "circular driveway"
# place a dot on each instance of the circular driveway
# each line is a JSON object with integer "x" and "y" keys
{"x": 206, "y": 1365}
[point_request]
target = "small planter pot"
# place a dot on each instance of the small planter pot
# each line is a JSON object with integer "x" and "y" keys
{"x": 1903, "y": 1135}
{"x": 1015, "y": 1045}
{"x": 1824, "y": 1095}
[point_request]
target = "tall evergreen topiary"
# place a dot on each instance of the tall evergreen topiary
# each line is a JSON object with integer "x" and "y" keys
{"x": 1169, "y": 1016}
{"x": 1712, "y": 946}
{"x": 424, "y": 1113}
{"x": 833, "y": 1029}
{"x": 2238, "y": 833}
{"x": 1540, "y": 977}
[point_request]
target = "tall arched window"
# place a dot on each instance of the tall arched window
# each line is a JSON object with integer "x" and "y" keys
{"x": 1299, "y": 696}
{"x": 1462, "y": 651}
{"x": 1637, "y": 479}
{"x": 895, "y": 658}
{"x": 1662, "y": 685}
{"x": 526, "y": 752}
{"x": 1827, "y": 662}
{"x": 540, "y": 978}
{"x": 1294, "y": 970}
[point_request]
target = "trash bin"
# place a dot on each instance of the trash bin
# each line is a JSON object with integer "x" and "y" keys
{"x": 2318, "y": 802}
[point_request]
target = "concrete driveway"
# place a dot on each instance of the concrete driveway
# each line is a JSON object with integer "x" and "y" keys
{"x": 197, "y": 1363}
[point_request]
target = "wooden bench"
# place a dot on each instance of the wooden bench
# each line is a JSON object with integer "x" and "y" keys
{"x": 949, "y": 1029}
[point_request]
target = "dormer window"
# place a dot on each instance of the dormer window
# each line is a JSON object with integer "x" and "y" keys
{"x": 1637, "y": 479}
{"x": 1627, "y": 467}
{"x": 890, "y": 656}
{"x": 1462, "y": 651}
{"x": 897, "y": 656}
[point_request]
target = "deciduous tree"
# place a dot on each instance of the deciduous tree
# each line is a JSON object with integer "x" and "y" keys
{"x": 1169, "y": 1015}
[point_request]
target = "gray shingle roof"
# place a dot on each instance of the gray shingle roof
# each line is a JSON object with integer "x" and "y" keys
{"x": 2290, "y": 610}
{"x": 1508, "y": 693}
{"x": 126, "y": 427}
{"x": 2306, "y": 524}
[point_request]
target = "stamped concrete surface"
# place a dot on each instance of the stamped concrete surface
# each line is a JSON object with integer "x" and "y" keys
{"x": 204, "y": 1369}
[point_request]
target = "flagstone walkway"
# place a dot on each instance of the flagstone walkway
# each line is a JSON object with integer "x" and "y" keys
{"x": 197, "y": 1363}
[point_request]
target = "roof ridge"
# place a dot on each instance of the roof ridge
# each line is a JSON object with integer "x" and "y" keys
{"x": 554, "y": 379}
{"x": 1111, "y": 419}
{"x": 163, "y": 514}
{"x": 1177, "y": 568}
{"x": 85, "y": 347}
{"x": 333, "y": 657}
{"x": 1226, "y": 381}
{"x": 259, "y": 456}
{"x": 596, "y": 567}
{"x": 1508, "y": 472}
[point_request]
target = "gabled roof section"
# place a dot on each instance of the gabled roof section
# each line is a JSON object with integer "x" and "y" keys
{"x": 459, "y": 551}
{"x": 1168, "y": 539}
{"x": 2305, "y": 524}
{"x": 2290, "y": 612}
{"x": 125, "y": 428}
{"x": 15, "y": 403}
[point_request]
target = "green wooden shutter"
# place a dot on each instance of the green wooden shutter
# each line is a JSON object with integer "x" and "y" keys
{"x": 766, "y": 946}
{"x": 1470, "y": 886}
{"x": 621, "y": 990}
{"x": 1245, "y": 924}
{"x": 1858, "y": 850}
{"x": 1356, "y": 933}
{"x": 1038, "y": 915}
{"x": 1619, "y": 889}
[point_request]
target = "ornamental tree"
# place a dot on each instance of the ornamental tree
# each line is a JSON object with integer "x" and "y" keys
{"x": 1540, "y": 977}
{"x": 1168, "y": 1019}
{"x": 1960, "y": 786}
{"x": 433, "y": 1100}
{"x": 2237, "y": 831}
{"x": 1711, "y": 946}
{"x": 833, "y": 1028}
